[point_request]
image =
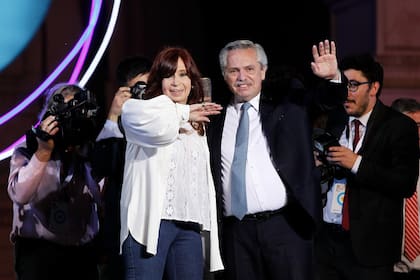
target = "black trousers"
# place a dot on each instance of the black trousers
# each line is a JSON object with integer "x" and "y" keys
{"x": 335, "y": 259}
{"x": 266, "y": 246}
{"x": 37, "y": 259}
{"x": 412, "y": 275}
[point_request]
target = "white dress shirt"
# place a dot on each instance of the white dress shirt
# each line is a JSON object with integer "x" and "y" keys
{"x": 110, "y": 129}
{"x": 330, "y": 212}
{"x": 264, "y": 187}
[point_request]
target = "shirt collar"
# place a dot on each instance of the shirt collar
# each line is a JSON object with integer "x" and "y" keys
{"x": 363, "y": 119}
{"x": 254, "y": 103}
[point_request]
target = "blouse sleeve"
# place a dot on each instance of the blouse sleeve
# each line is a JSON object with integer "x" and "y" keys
{"x": 154, "y": 122}
{"x": 24, "y": 177}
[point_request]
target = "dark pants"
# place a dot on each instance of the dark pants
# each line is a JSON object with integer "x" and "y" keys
{"x": 37, "y": 259}
{"x": 266, "y": 247}
{"x": 111, "y": 267}
{"x": 335, "y": 259}
{"x": 412, "y": 275}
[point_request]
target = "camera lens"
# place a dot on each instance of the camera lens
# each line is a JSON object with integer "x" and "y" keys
{"x": 138, "y": 90}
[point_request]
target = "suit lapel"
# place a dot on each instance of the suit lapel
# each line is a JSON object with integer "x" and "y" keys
{"x": 214, "y": 135}
{"x": 374, "y": 122}
{"x": 268, "y": 120}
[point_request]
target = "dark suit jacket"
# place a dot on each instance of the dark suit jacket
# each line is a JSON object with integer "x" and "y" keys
{"x": 388, "y": 173}
{"x": 288, "y": 130}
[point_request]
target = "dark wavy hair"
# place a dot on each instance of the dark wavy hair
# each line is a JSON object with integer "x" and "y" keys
{"x": 165, "y": 65}
{"x": 130, "y": 67}
{"x": 366, "y": 63}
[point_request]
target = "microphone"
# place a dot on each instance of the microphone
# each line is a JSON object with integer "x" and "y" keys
{"x": 206, "y": 83}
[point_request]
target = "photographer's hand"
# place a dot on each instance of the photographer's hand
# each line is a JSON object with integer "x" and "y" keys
{"x": 50, "y": 127}
{"x": 341, "y": 156}
{"x": 122, "y": 95}
{"x": 316, "y": 158}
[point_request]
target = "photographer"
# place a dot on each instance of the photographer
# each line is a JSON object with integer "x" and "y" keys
{"x": 378, "y": 153}
{"x": 55, "y": 197}
{"x": 108, "y": 161}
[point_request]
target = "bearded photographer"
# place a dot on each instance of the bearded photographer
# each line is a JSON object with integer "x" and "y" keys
{"x": 55, "y": 196}
{"x": 378, "y": 153}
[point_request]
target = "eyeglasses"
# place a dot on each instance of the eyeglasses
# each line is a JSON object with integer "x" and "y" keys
{"x": 353, "y": 85}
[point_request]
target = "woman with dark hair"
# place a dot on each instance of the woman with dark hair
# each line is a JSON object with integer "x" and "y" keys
{"x": 168, "y": 195}
{"x": 55, "y": 196}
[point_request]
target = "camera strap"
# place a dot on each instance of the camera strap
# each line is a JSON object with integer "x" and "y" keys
{"x": 44, "y": 136}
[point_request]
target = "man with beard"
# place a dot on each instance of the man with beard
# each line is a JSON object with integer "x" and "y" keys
{"x": 378, "y": 158}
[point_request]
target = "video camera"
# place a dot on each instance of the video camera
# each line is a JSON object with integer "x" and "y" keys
{"x": 82, "y": 106}
{"x": 138, "y": 90}
{"x": 76, "y": 118}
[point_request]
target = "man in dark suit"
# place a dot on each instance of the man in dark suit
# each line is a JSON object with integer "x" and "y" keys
{"x": 361, "y": 234}
{"x": 272, "y": 238}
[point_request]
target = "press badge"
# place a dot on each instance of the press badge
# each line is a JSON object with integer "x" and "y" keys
{"x": 338, "y": 191}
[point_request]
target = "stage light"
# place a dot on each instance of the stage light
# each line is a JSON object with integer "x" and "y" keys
{"x": 111, "y": 25}
{"x": 33, "y": 96}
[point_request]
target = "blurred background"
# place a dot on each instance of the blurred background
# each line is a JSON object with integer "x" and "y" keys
{"x": 50, "y": 41}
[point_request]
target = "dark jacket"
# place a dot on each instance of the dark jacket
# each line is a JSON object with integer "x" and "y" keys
{"x": 288, "y": 130}
{"x": 387, "y": 174}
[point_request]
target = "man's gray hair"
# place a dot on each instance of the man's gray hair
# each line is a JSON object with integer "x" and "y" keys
{"x": 242, "y": 44}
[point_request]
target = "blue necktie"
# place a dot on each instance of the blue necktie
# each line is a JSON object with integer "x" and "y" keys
{"x": 238, "y": 187}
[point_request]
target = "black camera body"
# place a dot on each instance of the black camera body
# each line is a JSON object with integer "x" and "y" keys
{"x": 82, "y": 106}
{"x": 137, "y": 91}
{"x": 76, "y": 118}
{"x": 322, "y": 142}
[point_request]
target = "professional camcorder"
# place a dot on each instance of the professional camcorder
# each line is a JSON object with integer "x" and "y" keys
{"x": 76, "y": 118}
{"x": 82, "y": 106}
{"x": 321, "y": 144}
{"x": 138, "y": 90}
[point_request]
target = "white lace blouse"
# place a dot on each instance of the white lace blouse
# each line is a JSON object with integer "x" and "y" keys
{"x": 167, "y": 174}
{"x": 186, "y": 196}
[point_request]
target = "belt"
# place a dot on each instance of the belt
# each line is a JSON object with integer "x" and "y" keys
{"x": 259, "y": 216}
{"x": 263, "y": 215}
